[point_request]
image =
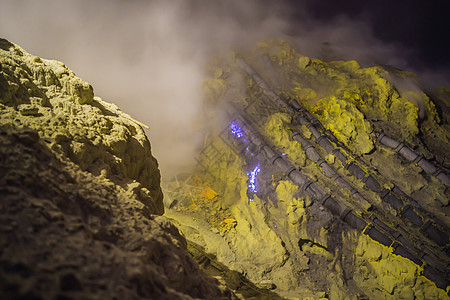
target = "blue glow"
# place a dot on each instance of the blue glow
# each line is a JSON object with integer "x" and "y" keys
{"x": 236, "y": 130}
{"x": 252, "y": 179}
{"x": 283, "y": 154}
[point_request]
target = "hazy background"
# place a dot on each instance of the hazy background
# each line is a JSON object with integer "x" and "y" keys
{"x": 148, "y": 57}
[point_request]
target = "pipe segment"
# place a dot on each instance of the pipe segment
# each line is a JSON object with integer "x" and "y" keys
{"x": 381, "y": 224}
{"x": 441, "y": 238}
{"x": 314, "y": 130}
{"x": 301, "y": 119}
{"x": 387, "y": 141}
{"x": 325, "y": 143}
{"x": 411, "y": 215}
{"x": 435, "y": 276}
{"x": 372, "y": 184}
{"x": 355, "y": 170}
{"x": 390, "y": 198}
{"x": 336, "y": 152}
{"x": 402, "y": 251}
{"x": 326, "y": 169}
{"x": 377, "y": 235}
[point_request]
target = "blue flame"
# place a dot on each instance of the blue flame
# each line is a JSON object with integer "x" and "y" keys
{"x": 236, "y": 130}
{"x": 252, "y": 179}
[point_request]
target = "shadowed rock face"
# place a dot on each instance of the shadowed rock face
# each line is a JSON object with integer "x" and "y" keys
{"x": 80, "y": 194}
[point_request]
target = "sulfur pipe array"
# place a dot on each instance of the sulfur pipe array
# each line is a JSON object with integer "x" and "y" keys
{"x": 377, "y": 230}
{"x": 392, "y": 198}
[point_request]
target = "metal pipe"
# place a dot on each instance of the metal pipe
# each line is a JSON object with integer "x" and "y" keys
{"x": 406, "y": 152}
{"x": 445, "y": 178}
{"x": 326, "y": 169}
{"x": 301, "y": 119}
{"x": 314, "y": 131}
{"x": 387, "y": 141}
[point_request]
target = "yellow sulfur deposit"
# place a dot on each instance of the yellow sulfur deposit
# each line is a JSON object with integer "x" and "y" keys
{"x": 389, "y": 276}
{"x": 346, "y": 122}
{"x": 275, "y": 129}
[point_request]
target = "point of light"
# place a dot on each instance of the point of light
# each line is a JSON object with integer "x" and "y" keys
{"x": 252, "y": 179}
{"x": 236, "y": 130}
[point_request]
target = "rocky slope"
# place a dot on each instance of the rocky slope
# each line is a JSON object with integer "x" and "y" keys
{"x": 80, "y": 196}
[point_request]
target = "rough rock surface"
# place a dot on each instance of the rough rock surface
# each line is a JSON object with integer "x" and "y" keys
{"x": 80, "y": 194}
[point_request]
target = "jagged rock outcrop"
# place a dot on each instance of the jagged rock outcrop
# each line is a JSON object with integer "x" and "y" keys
{"x": 46, "y": 96}
{"x": 80, "y": 196}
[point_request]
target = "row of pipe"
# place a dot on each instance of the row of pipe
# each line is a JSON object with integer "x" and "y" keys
{"x": 418, "y": 159}
{"x": 327, "y": 170}
{"x": 397, "y": 240}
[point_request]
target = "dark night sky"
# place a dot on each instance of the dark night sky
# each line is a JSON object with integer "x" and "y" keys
{"x": 421, "y": 26}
